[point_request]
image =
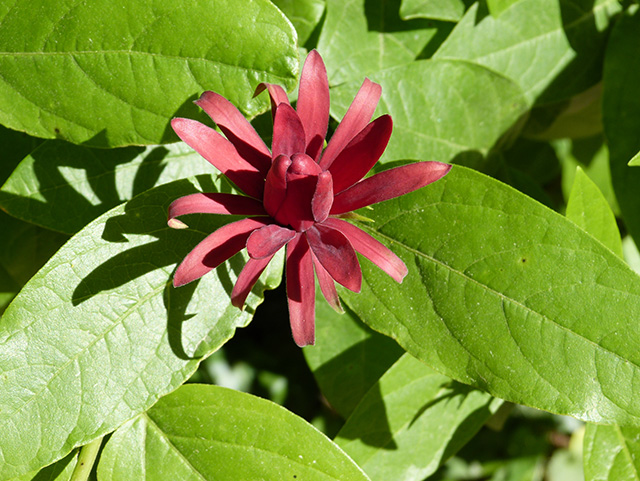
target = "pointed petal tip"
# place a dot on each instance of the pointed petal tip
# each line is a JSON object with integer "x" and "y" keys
{"x": 177, "y": 224}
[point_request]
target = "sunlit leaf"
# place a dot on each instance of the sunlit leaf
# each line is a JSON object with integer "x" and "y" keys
{"x": 499, "y": 290}
{"x": 362, "y": 37}
{"x": 588, "y": 208}
{"x": 451, "y": 10}
{"x": 212, "y": 433}
{"x": 113, "y": 72}
{"x": 611, "y": 453}
{"x": 99, "y": 334}
{"x": 552, "y": 50}
{"x": 449, "y": 110}
{"x": 63, "y": 186}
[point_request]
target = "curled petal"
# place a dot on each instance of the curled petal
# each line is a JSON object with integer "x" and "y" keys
{"x": 215, "y": 203}
{"x": 222, "y": 154}
{"x": 276, "y": 94}
{"x": 370, "y": 248}
{"x": 362, "y": 153}
{"x": 335, "y": 253}
{"x": 388, "y": 184}
{"x": 237, "y": 129}
{"x": 247, "y": 279}
{"x": 322, "y": 197}
{"x": 288, "y": 132}
{"x": 275, "y": 189}
{"x": 301, "y": 291}
{"x": 268, "y": 240}
{"x": 356, "y": 119}
{"x": 313, "y": 103}
{"x": 327, "y": 286}
{"x": 215, "y": 249}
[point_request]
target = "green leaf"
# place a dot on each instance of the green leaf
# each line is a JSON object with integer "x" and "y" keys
{"x": 441, "y": 107}
{"x": 15, "y": 146}
{"x": 411, "y": 421}
{"x": 304, "y": 14}
{"x": 362, "y": 37}
{"x": 635, "y": 160}
{"x": 621, "y": 115}
{"x": 99, "y": 334}
{"x": 203, "y": 432}
{"x": 496, "y": 7}
{"x": 112, "y": 72}
{"x": 63, "y": 186}
{"x": 59, "y": 471}
{"x": 588, "y": 208}
{"x": 611, "y": 453}
{"x": 552, "y": 58}
{"x": 348, "y": 357}
{"x": 578, "y": 117}
{"x": 508, "y": 296}
{"x": 24, "y": 248}
{"x": 592, "y": 156}
{"x": 450, "y": 10}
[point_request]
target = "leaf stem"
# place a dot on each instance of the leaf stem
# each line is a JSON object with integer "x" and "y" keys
{"x": 86, "y": 458}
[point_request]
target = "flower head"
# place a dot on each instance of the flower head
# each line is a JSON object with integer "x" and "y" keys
{"x": 297, "y": 194}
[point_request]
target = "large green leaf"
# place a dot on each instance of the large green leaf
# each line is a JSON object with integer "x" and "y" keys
{"x": 361, "y": 37}
{"x": 621, "y": 115}
{"x": 348, "y": 357}
{"x": 304, "y": 14}
{"x": 611, "y": 453}
{"x": 411, "y": 421}
{"x": 114, "y": 72}
{"x": 508, "y": 296}
{"x": 553, "y": 50}
{"x": 588, "y": 208}
{"x": 63, "y": 186}
{"x": 212, "y": 433}
{"x": 441, "y": 107}
{"x": 99, "y": 334}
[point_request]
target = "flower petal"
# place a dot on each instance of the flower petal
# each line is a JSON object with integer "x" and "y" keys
{"x": 322, "y": 197}
{"x": 247, "y": 279}
{"x": 388, "y": 184}
{"x": 221, "y": 154}
{"x": 301, "y": 291}
{"x": 356, "y": 119}
{"x": 215, "y": 249}
{"x": 215, "y": 203}
{"x": 288, "y": 132}
{"x": 370, "y": 248}
{"x": 327, "y": 286}
{"x": 362, "y": 153}
{"x": 336, "y": 254}
{"x": 237, "y": 129}
{"x": 275, "y": 189}
{"x": 276, "y": 94}
{"x": 268, "y": 240}
{"x": 313, "y": 103}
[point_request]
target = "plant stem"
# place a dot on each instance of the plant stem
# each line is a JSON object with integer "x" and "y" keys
{"x": 86, "y": 458}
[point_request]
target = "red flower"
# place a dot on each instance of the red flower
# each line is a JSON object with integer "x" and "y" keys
{"x": 296, "y": 194}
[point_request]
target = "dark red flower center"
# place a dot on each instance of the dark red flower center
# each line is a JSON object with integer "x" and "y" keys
{"x": 297, "y": 192}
